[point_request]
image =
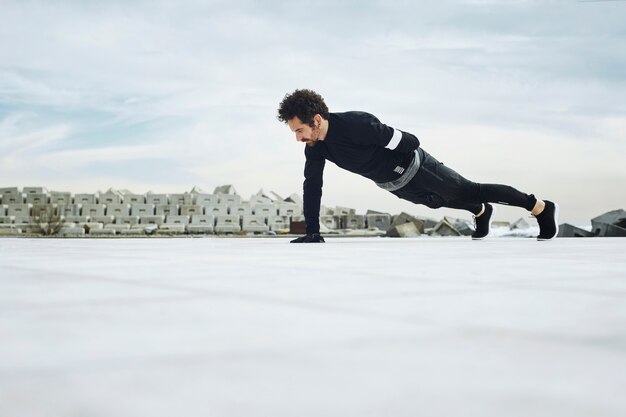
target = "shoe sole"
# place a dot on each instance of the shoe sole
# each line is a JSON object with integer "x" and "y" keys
{"x": 493, "y": 213}
{"x": 556, "y": 224}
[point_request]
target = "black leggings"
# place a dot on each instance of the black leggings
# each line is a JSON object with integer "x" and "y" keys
{"x": 435, "y": 185}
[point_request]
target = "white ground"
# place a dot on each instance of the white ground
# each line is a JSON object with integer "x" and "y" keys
{"x": 356, "y": 327}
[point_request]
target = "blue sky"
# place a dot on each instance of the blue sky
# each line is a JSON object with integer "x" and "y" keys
{"x": 167, "y": 95}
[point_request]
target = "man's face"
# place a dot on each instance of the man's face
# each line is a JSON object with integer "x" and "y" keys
{"x": 305, "y": 133}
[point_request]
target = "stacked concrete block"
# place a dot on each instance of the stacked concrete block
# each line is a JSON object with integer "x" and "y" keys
{"x": 93, "y": 210}
{"x": 331, "y": 222}
{"x": 610, "y": 224}
{"x": 167, "y": 210}
{"x": 116, "y": 210}
{"x": 206, "y": 199}
{"x": 142, "y": 210}
{"x": 156, "y": 220}
{"x": 289, "y": 209}
{"x": 85, "y": 199}
{"x": 181, "y": 199}
{"x": 134, "y": 199}
{"x": 267, "y": 210}
{"x": 201, "y": 224}
{"x": 219, "y": 210}
{"x": 225, "y": 189}
{"x": 520, "y": 224}
{"x": 34, "y": 190}
{"x": 353, "y": 221}
{"x": 130, "y": 220}
{"x": 243, "y": 209}
{"x": 11, "y": 195}
{"x": 36, "y": 198}
{"x": 117, "y": 228}
{"x": 568, "y": 230}
{"x": 80, "y": 220}
{"x": 229, "y": 199}
{"x": 191, "y": 209}
{"x": 277, "y": 223}
{"x": 344, "y": 211}
{"x": 408, "y": 229}
{"x": 72, "y": 231}
{"x": 60, "y": 197}
{"x": 19, "y": 210}
{"x": 381, "y": 221}
{"x": 111, "y": 197}
{"x": 3, "y": 210}
{"x": 254, "y": 224}
{"x": 227, "y": 224}
{"x": 102, "y": 219}
{"x": 70, "y": 210}
{"x": 157, "y": 199}
{"x": 444, "y": 228}
{"x": 175, "y": 224}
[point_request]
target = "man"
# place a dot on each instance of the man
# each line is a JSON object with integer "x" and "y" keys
{"x": 394, "y": 160}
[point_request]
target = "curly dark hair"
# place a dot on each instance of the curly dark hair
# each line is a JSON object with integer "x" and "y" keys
{"x": 303, "y": 104}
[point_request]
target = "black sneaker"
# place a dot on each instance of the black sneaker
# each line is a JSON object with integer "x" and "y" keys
{"x": 482, "y": 223}
{"x": 548, "y": 221}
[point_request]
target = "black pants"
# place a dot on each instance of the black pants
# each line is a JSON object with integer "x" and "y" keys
{"x": 435, "y": 185}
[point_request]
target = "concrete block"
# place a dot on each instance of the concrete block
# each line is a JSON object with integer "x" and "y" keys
{"x": 181, "y": 199}
{"x": 102, "y": 219}
{"x": 173, "y": 228}
{"x": 464, "y": 227}
{"x": 76, "y": 219}
{"x": 601, "y": 225}
{"x": 206, "y": 200}
{"x": 90, "y": 227}
{"x": 9, "y": 230}
{"x": 10, "y": 191}
{"x": 520, "y": 224}
{"x": 289, "y": 209}
{"x": 134, "y": 231}
{"x": 177, "y": 220}
{"x": 381, "y": 221}
{"x": 34, "y": 190}
{"x": 103, "y": 232}
{"x": 267, "y": 210}
{"x": 408, "y": 229}
{"x": 403, "y": 218}
{"x": 69, "y": 210}
{"x": 117, "y": 227}
{"x": 229, "y": 199}
{"x": 142, "y": 210}
{"x": 93, "y": 210}
{"x": 344, "y": 211}
{"x": 158, "y": 220}
{"x": 191, "y": 209}
{"x": 252, "y": 223}
{"x": 353, "y": 221}
{"x": 157, "y": 199}
{"x": 201, "y": 224}
{"x": 227, "y": 224}
{"x": 295, "y": 198}
{"x": 3, "y": 210}
{"x": 7, "y": 219}
{"x": 568, "y": 230}
{"x": 444, "y": 228}
{"x": 72, "y": 232}
{"x": 118, "y": 210}
{"x": 19, "y": 210}
{"x": 225, "y": 189}
{"x": 331, "y": 222}
{"x": 85, "y": 199}
{"x": 60, "y": 197}
{"x": 130, "y": 220}
{"x": 167, "y": 210}
{"x": 241, "y": 209}
{"x": 34, "y": 198}
{"x": 219, "y": 210}
{"x": 277, "y": 223}
{"x": 11, "y": 195}
{"x": 134, "y": 199}
{"x": 500, "y": 223}
{"x": 110, "y": 198}
{"x": 22, "y": 220}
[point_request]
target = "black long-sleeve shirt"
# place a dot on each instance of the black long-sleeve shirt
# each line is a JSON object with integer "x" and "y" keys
{"x": 357, "y": 142}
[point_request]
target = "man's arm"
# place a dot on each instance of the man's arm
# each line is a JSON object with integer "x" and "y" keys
{"x": 380, "y": 134}
{"x": 313, "y": 182}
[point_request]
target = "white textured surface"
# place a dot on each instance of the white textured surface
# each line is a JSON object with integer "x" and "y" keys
{"x": 355, "y": 327}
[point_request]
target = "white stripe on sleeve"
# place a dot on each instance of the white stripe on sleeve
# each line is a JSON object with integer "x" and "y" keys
{"x": 395, "y": 140}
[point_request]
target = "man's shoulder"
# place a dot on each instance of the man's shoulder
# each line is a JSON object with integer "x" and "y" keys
{"x": 354, "y": 116}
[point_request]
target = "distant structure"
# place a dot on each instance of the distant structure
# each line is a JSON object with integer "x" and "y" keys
{"x": 35, "y": 210}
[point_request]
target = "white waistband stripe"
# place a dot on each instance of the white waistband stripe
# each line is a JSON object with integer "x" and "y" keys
{"x": 395, "y": 140}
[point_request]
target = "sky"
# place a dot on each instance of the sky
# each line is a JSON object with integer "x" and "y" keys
{"x": 163, "y": 95}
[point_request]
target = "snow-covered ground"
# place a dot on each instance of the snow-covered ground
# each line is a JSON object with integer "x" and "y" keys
{"x": 356, "y": 327}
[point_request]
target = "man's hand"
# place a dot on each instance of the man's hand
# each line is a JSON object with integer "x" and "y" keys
{"x": 310, "y": 238}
